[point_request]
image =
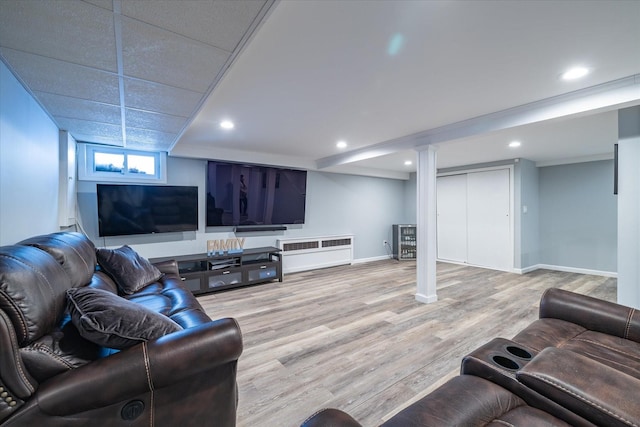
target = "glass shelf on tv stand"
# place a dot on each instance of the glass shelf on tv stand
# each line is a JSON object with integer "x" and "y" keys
{"x": 204, "y": 273}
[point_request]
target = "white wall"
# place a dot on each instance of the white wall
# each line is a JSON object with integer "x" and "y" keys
{"x": 28, "y": 164}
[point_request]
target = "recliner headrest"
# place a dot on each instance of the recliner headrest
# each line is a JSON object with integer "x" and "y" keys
{"x": 73, "y": 251}
{"x": 32, "y": 291}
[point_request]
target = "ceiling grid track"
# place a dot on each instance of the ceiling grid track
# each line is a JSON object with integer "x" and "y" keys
{"x": 117, "y": 25}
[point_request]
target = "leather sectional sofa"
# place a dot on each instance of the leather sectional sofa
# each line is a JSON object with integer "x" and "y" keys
{"x": 577, "y": 365}
{"x": 104, "y": 338}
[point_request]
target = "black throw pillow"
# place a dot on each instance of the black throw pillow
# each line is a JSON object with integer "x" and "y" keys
{"x": 111, "y": 321}
{"x": 127, "y": 268}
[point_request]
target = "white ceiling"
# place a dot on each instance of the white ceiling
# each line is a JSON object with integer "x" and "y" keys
{"x": 297, "y": 76}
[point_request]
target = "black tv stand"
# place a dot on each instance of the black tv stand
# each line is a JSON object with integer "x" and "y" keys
{"x": 203, "y": 274}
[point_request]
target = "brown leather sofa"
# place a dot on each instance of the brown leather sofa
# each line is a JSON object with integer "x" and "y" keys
{"x": 578, "y": 364}
{"x": 89, "y": 341}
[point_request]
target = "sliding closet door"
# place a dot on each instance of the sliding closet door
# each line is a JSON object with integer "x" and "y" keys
{"x": 452, "y": 217}
{"x": 488, "y": 219}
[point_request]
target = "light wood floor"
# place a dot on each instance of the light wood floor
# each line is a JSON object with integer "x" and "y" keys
{"x": 354, "y": 337}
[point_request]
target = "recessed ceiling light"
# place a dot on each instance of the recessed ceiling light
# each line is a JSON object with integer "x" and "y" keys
{"x": 514, "y": 144}
{"x": 575, "y": 73}
{"x": 341, "y": 144}
{"x": 408, "y": 162}
{"x": 226, "y": 124}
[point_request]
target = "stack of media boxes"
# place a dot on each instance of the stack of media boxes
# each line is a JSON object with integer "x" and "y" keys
{"x": 404, "y": 241}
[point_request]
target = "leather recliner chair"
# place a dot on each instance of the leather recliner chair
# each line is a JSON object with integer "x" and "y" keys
{"x": 578, "y": 365}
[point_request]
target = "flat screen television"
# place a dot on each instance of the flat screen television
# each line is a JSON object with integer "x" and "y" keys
{"x": 254, "y": 195}
{"x": 144, "y": 209}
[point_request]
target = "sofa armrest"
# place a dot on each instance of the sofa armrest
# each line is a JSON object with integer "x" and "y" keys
{"x": 591, "y": 313}
{"x": 330, "y": 417}
{"x": 143, "y": 368}
{"x": 168, "y": 267}
{"x": 596, "y": 392}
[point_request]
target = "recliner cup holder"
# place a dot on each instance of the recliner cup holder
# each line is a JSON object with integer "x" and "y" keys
{"x": 519, "y": 352}
{"x": 498, "y": 360}
{"x": 505, "y": 362}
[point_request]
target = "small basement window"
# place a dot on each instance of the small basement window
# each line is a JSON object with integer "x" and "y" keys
{"x": 101, "y": 163}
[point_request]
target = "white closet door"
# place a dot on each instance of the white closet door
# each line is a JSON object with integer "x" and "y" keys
{"x": 488, "y": 219}
{"x": 452, "y": 217}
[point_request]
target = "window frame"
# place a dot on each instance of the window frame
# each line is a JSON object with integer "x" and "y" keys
{"x": 87, "y": 171}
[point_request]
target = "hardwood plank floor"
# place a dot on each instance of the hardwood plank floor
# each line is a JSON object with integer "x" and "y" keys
{"x": 354, "y": 338}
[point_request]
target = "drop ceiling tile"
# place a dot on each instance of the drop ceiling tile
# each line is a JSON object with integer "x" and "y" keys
{"x": 74, "y": 108}
{"x": 157, "y": 121}
{"x": 145, "y": 139}
{"x": 217, "y": 23}
{"x": 71, "y": 31}
{"x": 90, "y": 131}
{"x": 154, "y": 54}
{"x": 52, "y": 76}
{"x": 160, "y": 98}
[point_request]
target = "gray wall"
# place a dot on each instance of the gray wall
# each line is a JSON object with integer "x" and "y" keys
{"x": 336, "y": 204}
{"x": 527, "y": 223}
{"x": 578, "y": 216}
{"x": 28, "y": 164}
{"x": 364, "y": 206}
{"x": 411, "y": 199}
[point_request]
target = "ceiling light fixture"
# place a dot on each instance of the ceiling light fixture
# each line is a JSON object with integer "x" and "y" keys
{"x": 227, "y": 124}
{"x": 408, "y": 162}
{"x": 341, "y": 144}
{"x": 514, "y": 144}
{"x": 575, "y": 73}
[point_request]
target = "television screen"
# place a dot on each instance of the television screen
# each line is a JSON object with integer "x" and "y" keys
{"x": 143, "y": 209}
{"x": 241, "y": 194}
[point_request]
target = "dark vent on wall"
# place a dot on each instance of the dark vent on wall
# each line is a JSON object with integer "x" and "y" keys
{"x": 336, "y": 242}
{"x": 299, "y": 246}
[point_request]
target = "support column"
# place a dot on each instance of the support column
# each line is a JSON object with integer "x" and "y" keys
{"x": 426, "y": 222}
{"x": 629, "y": 207}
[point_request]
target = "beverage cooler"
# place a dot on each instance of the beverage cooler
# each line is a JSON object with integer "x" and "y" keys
{"x": 404, "y": 241}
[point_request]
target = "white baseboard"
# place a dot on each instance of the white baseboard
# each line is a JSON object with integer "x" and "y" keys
{"x": 567, "y": 270}
{"x": 426, "y": 299}
{"x": 524, "y": 270}
{"x": 527, "y": 269}
{"x": 375, "y": 258}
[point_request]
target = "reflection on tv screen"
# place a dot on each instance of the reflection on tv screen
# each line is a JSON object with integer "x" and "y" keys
{"x": 240, "y": 194}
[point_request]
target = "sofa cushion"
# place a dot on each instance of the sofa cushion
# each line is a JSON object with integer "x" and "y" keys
{"x": 32, "y": 291}
{"x": 61, "y": 350}
{"x": 112, "y": 321}
{"x": 169, "y": 297}
{"x": 129, "y": 270}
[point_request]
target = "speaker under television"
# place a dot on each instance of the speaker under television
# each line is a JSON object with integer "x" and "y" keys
{"x": 146, "y": 209}
{"x": 249, "y": 196}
